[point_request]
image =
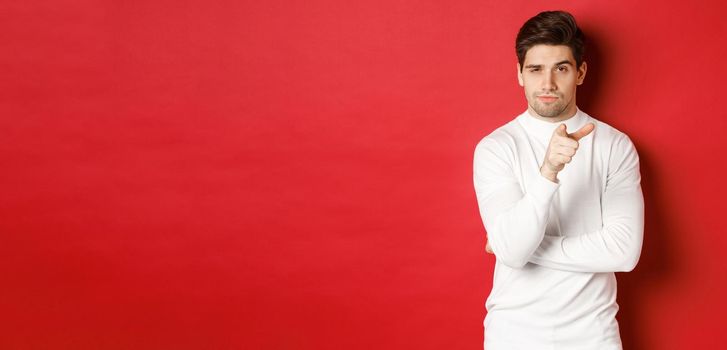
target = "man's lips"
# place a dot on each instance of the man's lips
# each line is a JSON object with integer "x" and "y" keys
{"x": 547, "y": 98}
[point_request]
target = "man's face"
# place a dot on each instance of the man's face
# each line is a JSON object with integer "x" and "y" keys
{"x": 549, "y": 77}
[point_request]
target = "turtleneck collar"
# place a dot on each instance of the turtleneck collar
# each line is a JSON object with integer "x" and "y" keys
{"x": 543, "y": 130}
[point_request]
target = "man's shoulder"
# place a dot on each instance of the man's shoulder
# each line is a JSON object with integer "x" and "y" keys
{"x": 503, "y": 136}
{"x": 499, "y": 146}
{"x": 613, "y": 141}
{"x": 606, "y": 131}
{"x": 604, "y": 128}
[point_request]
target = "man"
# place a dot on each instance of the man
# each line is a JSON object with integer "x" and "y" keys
{"x": 560, "y": 197}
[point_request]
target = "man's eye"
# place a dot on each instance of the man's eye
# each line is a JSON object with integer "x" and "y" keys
{"x": 562, "y": 69}
{"x": 534, "y": 69}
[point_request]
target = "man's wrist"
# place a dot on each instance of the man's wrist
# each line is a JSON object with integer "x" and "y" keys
{"x": 549, "y": 174}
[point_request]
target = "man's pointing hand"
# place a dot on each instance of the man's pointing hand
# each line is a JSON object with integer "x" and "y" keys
{"x": 561, "y": 150}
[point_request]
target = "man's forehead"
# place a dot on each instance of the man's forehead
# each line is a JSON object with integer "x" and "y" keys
{"x": 548, "y": 54}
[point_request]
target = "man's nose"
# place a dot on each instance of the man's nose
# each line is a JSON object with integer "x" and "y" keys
{"x": 549, "y": 82}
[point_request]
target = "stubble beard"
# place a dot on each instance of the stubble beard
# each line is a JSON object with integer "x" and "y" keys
{"x": 550, "y": 110}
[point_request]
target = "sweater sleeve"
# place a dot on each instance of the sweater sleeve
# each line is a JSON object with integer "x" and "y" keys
{"x": 515, "y": 220}
{"x": 616, "y": 247}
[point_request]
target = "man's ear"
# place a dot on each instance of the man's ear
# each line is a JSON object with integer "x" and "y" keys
{"x": 520, "y": 75}
{"x": 582, "y": 73}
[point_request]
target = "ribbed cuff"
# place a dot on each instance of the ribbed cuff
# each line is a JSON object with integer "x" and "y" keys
{"x": 542, "y": 190}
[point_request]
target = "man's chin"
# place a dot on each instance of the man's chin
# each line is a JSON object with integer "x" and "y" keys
{"x": 548, "y": 112}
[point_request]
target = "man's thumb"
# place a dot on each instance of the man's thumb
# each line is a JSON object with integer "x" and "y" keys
{"x": 582, "y": 132}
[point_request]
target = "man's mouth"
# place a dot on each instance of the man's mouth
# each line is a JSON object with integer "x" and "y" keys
{"x": 547, "y": 98}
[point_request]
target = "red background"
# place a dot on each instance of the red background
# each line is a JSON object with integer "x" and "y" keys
{"x": 298, "y": 174}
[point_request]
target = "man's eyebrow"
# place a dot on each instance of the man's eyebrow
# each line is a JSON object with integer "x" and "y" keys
{"x": 555, "y": 65}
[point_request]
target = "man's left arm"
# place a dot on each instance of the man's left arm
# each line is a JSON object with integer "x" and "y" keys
{"x": 616, "y": 247}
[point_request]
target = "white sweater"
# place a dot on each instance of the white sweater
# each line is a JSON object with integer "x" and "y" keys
{"x": 557, "y": 245}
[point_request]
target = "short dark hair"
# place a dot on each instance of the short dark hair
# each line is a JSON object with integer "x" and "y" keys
{"x": 550, "y": 28}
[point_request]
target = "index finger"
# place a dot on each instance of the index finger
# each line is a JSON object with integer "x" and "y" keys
{"x": 582, "y": 132}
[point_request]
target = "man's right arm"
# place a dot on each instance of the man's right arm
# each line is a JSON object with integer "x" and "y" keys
{"x": 515, "y": 220}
